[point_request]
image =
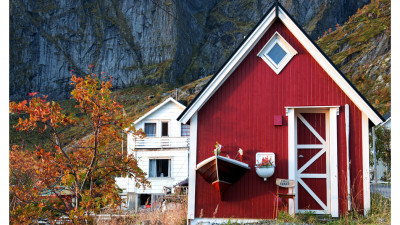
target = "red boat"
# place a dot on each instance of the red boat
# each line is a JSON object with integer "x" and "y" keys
{"x": 221, "y": 172}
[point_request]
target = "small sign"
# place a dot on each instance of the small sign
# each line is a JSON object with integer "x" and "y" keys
{"x": 284, "y": 182}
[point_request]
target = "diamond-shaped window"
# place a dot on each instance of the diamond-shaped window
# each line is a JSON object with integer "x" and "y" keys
{"x": 277, "y": 53}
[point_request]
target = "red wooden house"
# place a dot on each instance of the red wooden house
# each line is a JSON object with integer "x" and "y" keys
{"x": 280, "y": 93}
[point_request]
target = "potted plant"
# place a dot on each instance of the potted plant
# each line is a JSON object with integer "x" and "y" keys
{"x": 217, "y": 150}
{"x": 265, "y": 168}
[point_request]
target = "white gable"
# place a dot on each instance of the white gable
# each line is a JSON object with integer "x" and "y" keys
{"x": 248, "y": 45}
{"x": 172, "y": 103}
{"x": 167, "y": 111}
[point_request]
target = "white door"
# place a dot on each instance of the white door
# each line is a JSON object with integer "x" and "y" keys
{"x": 312, "y": 158}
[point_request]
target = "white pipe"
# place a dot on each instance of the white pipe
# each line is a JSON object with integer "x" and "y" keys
{"x": 374, "y": 153}
{"x": 347, "y": 118}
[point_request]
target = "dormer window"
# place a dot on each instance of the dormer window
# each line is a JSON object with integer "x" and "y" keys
{"x": 277, "y": 53}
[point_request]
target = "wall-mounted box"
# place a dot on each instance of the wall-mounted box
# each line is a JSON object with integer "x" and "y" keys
{"x": 278, "y": 121}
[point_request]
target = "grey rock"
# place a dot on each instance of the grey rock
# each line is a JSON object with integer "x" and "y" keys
{"x": 141, "y": 41}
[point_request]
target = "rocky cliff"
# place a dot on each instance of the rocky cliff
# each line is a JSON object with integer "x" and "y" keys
{"x": 140, "y": 42}
{"x": 361, "y": 48}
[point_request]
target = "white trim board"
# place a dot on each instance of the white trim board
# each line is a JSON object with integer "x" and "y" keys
{"x": 192, "y": 167}
{"x": 365, "y": 156}
{"x": 222, "y": 221}
{"x": 234, "y": 61}
{"x": 292, "y": 155}
{"x": 333, "y": 159}
{"x": 329, "y": 146}
{"x": 285, "y": 46}
{"x": 252, "y": 40}
{"x": 158, "y": 107}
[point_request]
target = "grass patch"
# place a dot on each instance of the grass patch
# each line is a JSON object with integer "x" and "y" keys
{"x": 174, "y": 213}
{"x": 379, "y": 214}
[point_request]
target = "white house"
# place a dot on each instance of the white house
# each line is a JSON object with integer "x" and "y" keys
{"x": 162, "y": 154}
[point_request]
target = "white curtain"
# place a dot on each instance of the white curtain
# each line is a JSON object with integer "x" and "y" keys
{"x": 150, "y": 129}
{"x": 152, "y": 168}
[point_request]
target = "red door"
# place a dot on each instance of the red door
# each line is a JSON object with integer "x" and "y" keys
{"x": 312, "y": 167}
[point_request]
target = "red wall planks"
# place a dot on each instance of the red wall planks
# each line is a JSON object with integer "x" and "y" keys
{"x": 240, "y": 115}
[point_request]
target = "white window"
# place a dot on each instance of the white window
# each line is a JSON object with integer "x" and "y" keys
{"x": 150, "y": 129}
{"x": 277, "y": 53}
{"x": 160, "y": 168}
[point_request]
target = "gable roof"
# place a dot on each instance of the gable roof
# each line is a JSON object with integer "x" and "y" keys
{"x": 158, "y": 107}
{"x": 387, "y": 116}
{"x": 275, "y": 12}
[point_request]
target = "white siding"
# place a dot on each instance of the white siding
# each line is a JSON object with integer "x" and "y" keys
{"x": 169, "y": 112}
{"x": 176, "y": 151}
{"x": 179, "y": 170}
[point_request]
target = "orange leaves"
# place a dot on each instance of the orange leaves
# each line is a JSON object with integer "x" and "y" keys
{"x": 86, "y": 168}
{"x": 39, "y": 113}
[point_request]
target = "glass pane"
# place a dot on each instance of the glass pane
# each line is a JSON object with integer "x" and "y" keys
{"x": 185, "y": 130}
{"x": 152, "y": 168}
{"x": 276, "y": 54}
{"x": 150, "y": 129}
{"x": 162, "y": 167}
{"x": 164, "y": 129}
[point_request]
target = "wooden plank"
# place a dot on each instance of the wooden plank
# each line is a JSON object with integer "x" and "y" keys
{"x": 305, "y": 166}
{"x": 365, "y": 153}
{"x": 315, "y": 197}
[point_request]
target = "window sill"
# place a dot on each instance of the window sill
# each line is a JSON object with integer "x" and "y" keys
{"x": 160, "y": 178}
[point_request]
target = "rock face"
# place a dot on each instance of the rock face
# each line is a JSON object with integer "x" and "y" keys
{"x": 361, "y": 48}
{"x": 141, "y": 41}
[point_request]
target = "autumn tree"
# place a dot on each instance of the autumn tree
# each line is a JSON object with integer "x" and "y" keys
{"x": 77, "y": 180}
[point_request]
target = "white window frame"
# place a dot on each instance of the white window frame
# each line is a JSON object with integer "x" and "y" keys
{"x": 169, "y": 168}
{"x": 290, "y": 52}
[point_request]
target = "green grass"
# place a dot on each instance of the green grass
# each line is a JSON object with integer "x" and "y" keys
{"x": 379, "y": 214}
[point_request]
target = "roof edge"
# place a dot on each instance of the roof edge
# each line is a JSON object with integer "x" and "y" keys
{"x": 248, "y": 36}
{"x": 278, "y": 9}
{"x": 380, "y": 117}
{"x": 169, "y": 99}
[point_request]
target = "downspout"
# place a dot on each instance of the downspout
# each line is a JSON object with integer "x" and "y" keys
{"x": 374, "y": 153}
{"x": 347, "y": 118}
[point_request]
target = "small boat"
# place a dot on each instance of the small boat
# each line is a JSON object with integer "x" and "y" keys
{"x": 221, "y": 172}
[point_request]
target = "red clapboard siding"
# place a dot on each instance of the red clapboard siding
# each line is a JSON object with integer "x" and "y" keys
{"x": 240, "y": 115}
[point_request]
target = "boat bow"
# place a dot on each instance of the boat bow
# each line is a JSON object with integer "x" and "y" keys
{"x": 221, "y": 172}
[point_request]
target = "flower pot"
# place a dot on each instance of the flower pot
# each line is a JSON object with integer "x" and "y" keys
{"x": 265, "y": 172}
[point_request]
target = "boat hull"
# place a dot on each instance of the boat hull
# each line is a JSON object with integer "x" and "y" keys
{"x": 221, "y": 172}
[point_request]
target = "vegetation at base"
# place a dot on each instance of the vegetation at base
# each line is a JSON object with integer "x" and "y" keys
{"x": 379, "y": 214}
{"x": 173, "y": 213}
